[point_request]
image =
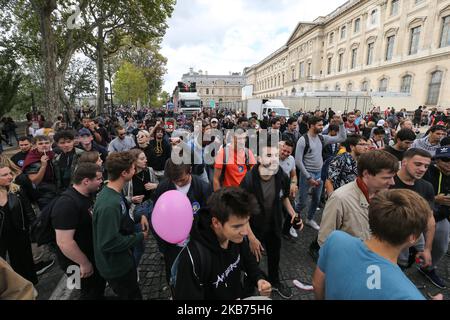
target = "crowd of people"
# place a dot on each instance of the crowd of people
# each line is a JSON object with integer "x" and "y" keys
{"x": 383, "y": 184}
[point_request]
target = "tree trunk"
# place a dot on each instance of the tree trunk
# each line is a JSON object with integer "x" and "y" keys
{"x": 52, "y": 105}
{"x": 100, "y": 71}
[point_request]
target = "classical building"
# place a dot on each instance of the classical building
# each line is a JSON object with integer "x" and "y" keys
{"x": 213, "y": 89}
{"x": 395, "y": 51}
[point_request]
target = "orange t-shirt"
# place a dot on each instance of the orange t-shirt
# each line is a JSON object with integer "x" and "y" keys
{"x": 235, "y": 168}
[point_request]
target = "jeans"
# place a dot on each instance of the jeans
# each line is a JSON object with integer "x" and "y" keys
{"x": 303, "y": 193}
{"x": 145, "y": 208}
{"x": 440, "y": 241}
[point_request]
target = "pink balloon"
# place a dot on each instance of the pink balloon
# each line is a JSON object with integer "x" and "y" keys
{"x": 172, "y": 217}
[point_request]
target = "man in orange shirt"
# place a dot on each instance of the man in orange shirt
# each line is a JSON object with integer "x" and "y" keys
{"x": 237, "y": 159}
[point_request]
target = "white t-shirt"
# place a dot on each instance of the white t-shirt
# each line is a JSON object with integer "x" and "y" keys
{"x": 184, "y": 189}
{"x": 288, "y": 165}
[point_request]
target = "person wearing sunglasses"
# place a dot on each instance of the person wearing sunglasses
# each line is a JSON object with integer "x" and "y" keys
{"x": 439, "y": 176}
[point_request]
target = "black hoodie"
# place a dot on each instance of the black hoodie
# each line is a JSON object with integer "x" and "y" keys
{"x": 222, "y": 278}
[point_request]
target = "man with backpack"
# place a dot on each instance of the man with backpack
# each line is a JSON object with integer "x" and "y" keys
{"x": 210, "y": 266}
{"x": 308, "y": 158}
{"x": 71, "y": 218}
{"x": 233, "y": 161}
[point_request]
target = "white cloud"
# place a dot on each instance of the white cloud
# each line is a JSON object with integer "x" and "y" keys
{"x": 220, "y": 36}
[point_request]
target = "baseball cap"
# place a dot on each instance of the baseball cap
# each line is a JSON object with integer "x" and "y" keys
{"x": 214, "y": 120}
{"x": 380, "y": 123}
{"x": 84, "y": 132}
{"x": 442, "y": 152}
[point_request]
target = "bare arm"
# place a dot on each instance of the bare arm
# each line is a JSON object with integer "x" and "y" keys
{"x": 216, "y": 182}
{"x": 319, "y": 284}
{"x": 38, "y": 177}
{"x": 68, "y": 246}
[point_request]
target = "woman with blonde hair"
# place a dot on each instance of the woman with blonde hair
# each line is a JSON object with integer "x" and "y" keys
{"x": 16, "y": 216}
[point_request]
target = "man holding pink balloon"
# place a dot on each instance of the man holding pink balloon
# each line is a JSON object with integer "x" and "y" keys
{"x": 178, "y": 199}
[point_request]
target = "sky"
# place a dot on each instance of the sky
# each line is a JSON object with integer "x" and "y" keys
{"x": 223, "y": 36}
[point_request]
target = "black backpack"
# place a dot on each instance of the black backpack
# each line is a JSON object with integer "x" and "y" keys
{"x": 42, "y": 231}
{"x": 307, "y": 145}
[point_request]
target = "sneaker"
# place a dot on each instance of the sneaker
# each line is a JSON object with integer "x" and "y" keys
{"x": 312, "y": 224}
{"x": 138, "y": 271}
{"x": 43, "y": 266}
{"x": 433, "y": 277}
{"x": 293, "y": 233}
{"x": 283, "y": 291}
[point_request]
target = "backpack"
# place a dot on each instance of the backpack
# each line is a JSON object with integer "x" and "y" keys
{"x": 42, "y": 230}
{"x": 307, "y": 145}
{"x": 225, "y": 160}
{"x": 199, "y": 273}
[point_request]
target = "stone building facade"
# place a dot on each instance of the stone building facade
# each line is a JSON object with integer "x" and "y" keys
{"x": 396, "y": 51}
{"x": 213, "y": 89}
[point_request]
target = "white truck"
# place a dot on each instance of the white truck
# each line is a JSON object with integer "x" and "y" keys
{"x": 263, "y": 107}
{"x": 186, "y": 99}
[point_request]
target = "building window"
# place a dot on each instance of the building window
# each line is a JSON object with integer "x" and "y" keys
{"x": 302, "y": 70}
{"x": 414, "y": 43}
{"x": 309, "y": 69}
{"x": 406, "y": 84}
{"x": 331, "y": 39}
{"x": 212, "y": 91}
{"x": 337, "y": 87}
{"x": 365, "y": 86}
{"x": 349, "y": 87}
{"x": 329, "y": 65}
{"x": 354, "y": 56}
{"x": 283, "y": 78}
{"x": 434, "y": 88}
{"x": 357, "y": 26}
{"x": 445, "y": 36}
{"x": 370, "y": 48}
{"x": 207, "y": 91}
{"x": 373, "y": 17}
{"x": 341, "y": 58}
{"x": 293, "y": 74}
{"x": 417, "y": 1}
{"x": 343, "y": 32}
{"x": 394, "y": 7}
{"x": 390, "y": 47}
{"x": 383, "y": 85}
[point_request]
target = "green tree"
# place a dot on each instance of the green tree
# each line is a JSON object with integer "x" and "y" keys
{"x": 80, "y": 79}
{"x": 130, "y": 85}
{"x": 10, "y": 79}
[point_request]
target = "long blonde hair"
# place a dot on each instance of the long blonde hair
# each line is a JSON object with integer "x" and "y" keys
{"x": 15, "y": 170}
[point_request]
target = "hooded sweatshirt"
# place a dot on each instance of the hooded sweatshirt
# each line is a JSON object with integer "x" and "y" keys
{"x": 219, "y": 273}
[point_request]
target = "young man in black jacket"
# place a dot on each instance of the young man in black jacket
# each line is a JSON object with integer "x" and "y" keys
{"x": 268, "y": 182}
{"x": 179, "y": 177}
{"x": 210, "y": 266}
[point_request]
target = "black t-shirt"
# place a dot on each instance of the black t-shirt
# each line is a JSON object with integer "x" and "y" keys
{"x": 139, "y": 181}
{"x": 19, "y": 158}
{"x": 396, "y": 153}
{"x": 73, "y": 211}
{"x": 422, "y": 187}
{"x": 65, "y": 165}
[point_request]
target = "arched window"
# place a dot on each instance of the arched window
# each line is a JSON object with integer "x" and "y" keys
{"x": 434, "y": 88}
{"x": 383, "y": 85}
{"x": 350, "y": 86}
{"x": 337, "y": 87}
{"x": 406, "y": 84}
{"x": 365, "y": 86}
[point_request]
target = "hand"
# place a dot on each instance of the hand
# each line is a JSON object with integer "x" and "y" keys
{"x": 86, "y": 270}
{"x": 256, "y": 248}
{"x": 293, "y": 190}
{"x": 44, "y": 160}
{"x": 313, "y": 183}
{"x": 442, "y": 199}
{"x": 144, "y": 223}
{"x": 264, "y": 288}
{"x": 150, "y": 186}
{"x": 426, "y": 257}
{"x": 137, "y": 199}
{"x": 300, "y": 223}
{"x": 145, "y": 233}
{"x": 439, "y": 296}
